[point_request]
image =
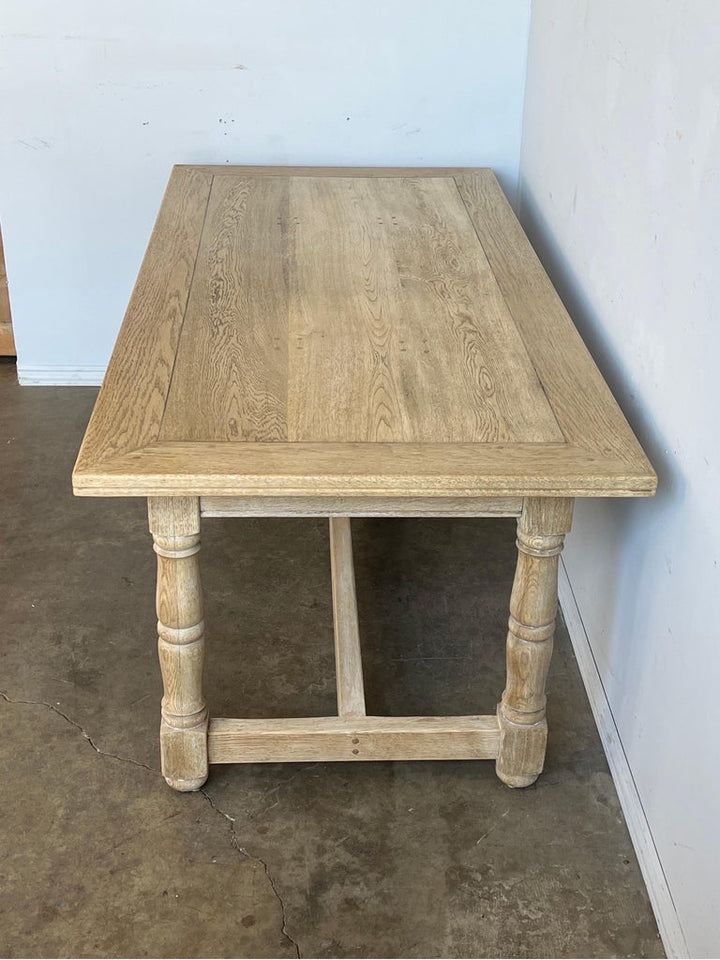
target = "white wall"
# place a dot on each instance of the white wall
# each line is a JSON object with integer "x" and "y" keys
{"x": 620, "y": 191}
{"x": 98, "y": 100}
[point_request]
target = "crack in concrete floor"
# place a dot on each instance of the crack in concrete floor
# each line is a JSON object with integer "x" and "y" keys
{"x": 78, "y": 726}
{"x": 234, "y": 838}
{"x": 235, "y": 843}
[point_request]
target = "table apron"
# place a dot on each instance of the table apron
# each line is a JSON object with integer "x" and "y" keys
{"x": 361, "y": 506}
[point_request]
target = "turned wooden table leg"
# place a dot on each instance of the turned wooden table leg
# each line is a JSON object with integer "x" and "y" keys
{"x": 533, "y": 606}
{"x": 175, "y": 527}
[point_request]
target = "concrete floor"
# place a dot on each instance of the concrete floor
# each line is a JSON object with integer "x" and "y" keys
{"x": 98, "y": 857}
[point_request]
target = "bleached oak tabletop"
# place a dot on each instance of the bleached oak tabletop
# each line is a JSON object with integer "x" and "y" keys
{"x": 339, "y": 332}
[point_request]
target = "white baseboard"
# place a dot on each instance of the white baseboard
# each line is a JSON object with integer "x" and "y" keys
{"x": 48, "y": 375}
{"x": 655, "y": 880}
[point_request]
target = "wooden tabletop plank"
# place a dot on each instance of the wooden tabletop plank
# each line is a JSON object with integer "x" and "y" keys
{"x": 346, "y": 334}
{"x": 462, "y": 348}
{"x": 230, "y": 378}
{"x": 583, "y": 404}
{"x": 132, "y": 400}
{"x": 333, "y": 331}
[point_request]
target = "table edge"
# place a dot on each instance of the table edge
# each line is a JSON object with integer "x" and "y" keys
{"x": 308, "y": 170}
{"x": 399, "y": 470}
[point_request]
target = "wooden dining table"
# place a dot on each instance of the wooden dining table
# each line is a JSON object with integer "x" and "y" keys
{"x": 351, "y": 342}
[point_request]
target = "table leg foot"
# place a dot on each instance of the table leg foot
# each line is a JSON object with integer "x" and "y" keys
{"x": 175, "y": 527}
{"x": 522, "y": 751}
{"x": 183, "y": 753}
{"x": 533, "y": 606}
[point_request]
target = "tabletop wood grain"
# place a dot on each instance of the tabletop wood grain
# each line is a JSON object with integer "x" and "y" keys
{"x": 350, "y": 331}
